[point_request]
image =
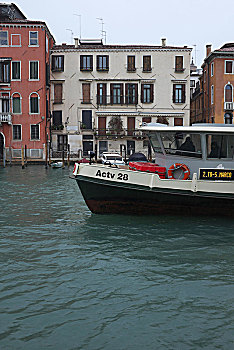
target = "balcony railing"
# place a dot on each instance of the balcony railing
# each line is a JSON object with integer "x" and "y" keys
{"x": 5, "y": 117}
{"x": 103, "y": 100}
{"x": 228, "y": 106}
{"x": 116, "y": 134}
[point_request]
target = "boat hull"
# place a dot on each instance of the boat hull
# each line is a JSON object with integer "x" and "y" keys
{"x": 110, "y": 197}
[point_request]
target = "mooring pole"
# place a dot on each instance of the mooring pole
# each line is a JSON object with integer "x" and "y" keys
{"x": 68, "y": 155}
{"x": 22, "y": 156}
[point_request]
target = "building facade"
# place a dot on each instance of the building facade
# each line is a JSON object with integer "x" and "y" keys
{"x": 212, "y": 101}
{"x": 24, "y": 84}
{"x": 101, "y": 94}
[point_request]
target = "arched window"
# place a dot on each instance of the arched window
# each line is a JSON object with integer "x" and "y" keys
{"x": 34, "y": 103}
{"x": 228, "y": 118}
{"x": 228, "y": 93}
{"x": 16, "y": 103}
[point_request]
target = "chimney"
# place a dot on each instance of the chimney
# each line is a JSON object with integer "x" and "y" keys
{"x": 208, "y": 50}
{"x": 76, "y": 42}
{"x": 163, "y": 42}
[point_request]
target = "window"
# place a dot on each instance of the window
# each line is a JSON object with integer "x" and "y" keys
{"x": 57, "y": 63}
{"x": 3, "y": 38}
{"x": 15, "y": 66}
{"x": 5, "y": 105}
{"x": 147, "y": 93}
{"x": 178, "y": 121}
{"x": 131, "y": 64}
{"x": 183, "y": 144}
{"x": 179, "y": 93}
{"x": 35, "y": 134}
{"x": 57, "y": 118}
{"x": 58, "y": 92}
{"x": 34, "y": 103}
{"x": 220, "y": 146}
{"x": 192, "y": 83}
{"x": 228, "y": 67}
{"x": 86, "y": 120}
{"x": 228, "y": 118}
{"x": 131, "y": 94}
{"x": 101, "y": 94}
{"x": 86, "y": 63}
{"x": 33, "y": 38}
{"x": 146, "y": 120}
{"x": 116, "y": 93}
{"x": 34, "y": 70}
{"x": 62, "y": 143}
{"x": 5, "y": 72}
{"x": 212, "y": 95}
{"x": 103, "y": 147}
{"x": 102, "y": 63}
{"x": 86, "y": 93}
{"x": 212, "y": 69}
{"x": 147, "y": 64}
{"x": 16, "y": 103}
{"x": 228, "y": 93}
{"x": 179, "y": 64}
{"x": 17, "y": 132}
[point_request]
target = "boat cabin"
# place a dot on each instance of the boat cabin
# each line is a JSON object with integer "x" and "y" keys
{"x": 197, "y": 146}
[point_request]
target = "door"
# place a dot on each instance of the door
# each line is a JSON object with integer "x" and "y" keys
{"x": 130, "y": 147}
{"x": 87, "y": 120}
{"x": 86, "y": 93}
{"x": 101, "y": 125}
{"x": 87, "y": 146}
{"x": 131, "y": 125}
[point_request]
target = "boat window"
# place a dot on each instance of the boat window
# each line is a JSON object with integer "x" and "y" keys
{"x": 182, "y": 144}
{"x": 155, "y": 143}
{"x": 113, "y": 158}
{"x": 220, "y": 146}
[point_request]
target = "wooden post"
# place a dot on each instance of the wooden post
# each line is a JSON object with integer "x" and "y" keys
{"x": 63, "y": 159}
{"x": 68, "y": 155}
{"x": 4, "y": 157}
{"x": 46, "y": 150}
{"x": 22, "y": 156}
{"x": 26, "y": 158}
{"x": 10, "y": 155}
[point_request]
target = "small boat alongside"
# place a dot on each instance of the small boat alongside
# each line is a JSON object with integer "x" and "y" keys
{"x": 193, "y": 174}
{"x": 56, "y": 165}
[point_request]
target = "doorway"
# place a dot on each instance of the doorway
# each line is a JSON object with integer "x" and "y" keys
{"x": 1, "y": 146}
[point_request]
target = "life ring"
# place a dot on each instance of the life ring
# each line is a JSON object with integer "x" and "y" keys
{"x": 175, "y": 166}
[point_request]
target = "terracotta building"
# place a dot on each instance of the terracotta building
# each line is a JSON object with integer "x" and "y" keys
{"x": 24, "y": 84}
{"x": 212, "y": 101}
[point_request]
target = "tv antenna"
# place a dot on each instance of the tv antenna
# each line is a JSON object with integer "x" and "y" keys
{"x": 71, "y": 35}
{"x": 79, "y": 21}
{"x": 103, "y": 32}
{"x": 195, "y": 52}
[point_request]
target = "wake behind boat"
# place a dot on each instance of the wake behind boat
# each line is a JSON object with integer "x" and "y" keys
{"x": 198, "y": 178}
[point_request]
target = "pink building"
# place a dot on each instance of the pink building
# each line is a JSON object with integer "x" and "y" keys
{"x": 24, "y": 84}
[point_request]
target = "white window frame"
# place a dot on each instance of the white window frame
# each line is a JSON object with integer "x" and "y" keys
{"x": 212, "y": 69}
{"x": 30, "y": 71}
{"x": 39, "y": 132}
{"x": 12, "y": 97}
{"x": 13, "y": 132}
{"x": 225, "y": 66}
{"x": 212, "y": 94}
{"x": 33, "y": 45}
{"x": 12, "y": 71}
{"x": 5, "y": 31}
{"x": 12, "y": 40}
{"x": 33, "y": 113}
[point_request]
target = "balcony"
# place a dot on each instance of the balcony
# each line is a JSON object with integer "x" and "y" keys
{"x": 104, "y": 100}
{"x": 228, "y": 106}
{"x": 118, "y": 134}
{"x": 5, "y": 117}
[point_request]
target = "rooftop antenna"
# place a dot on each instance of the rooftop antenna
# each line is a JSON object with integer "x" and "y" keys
{"x": 79, "y": 20}
{"x": 71, "y": 35}
{"x": 102, "y": 23}
{"x": 104, "y": 34}
{"x": 195, "y": 52}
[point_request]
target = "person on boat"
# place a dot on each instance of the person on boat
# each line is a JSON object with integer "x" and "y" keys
{"x": 214, "y": 153}
{"x": 187, "y": 145}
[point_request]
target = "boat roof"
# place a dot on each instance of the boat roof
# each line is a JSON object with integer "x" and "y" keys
{"x": 197, "y": 128}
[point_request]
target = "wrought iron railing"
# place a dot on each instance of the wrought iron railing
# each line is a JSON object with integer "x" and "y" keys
{"x": 117, "y": 99}
{"x": 5, "y": 117}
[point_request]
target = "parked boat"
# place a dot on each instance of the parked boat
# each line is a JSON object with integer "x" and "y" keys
{"x": 198, "y": 177}
{"x": 56, "y": 165}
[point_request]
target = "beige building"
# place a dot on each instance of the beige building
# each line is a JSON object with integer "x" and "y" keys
{"x": 101, "y": 94}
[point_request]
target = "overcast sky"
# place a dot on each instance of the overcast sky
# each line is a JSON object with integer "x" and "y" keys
{"x": 181, "y": 22}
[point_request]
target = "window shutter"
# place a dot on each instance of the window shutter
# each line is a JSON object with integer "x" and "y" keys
{"x": 98, "y": 93}
{"x": 121, "y": 94}
{"x": 151, "y": 93}
{"x": 111, "y": 93}
{"x": 91, "y": 62}
{"x": 98, "y": 63}
{"x": 183, "y": 93}
{"x": 142, "y": 93}
{"x": 104, "y": 94}
{"x": 107, "y": 62}
{"x": 136, "y": 94}
{"x": 174, "y": 93}
{"x": 127, "y": 94}
{"x": 81, "y": 63}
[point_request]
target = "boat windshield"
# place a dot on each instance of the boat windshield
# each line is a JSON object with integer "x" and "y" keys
{"x": 113, "y": 158}
{"x": 178, "y": 143}
{"x": 220, "y": 146}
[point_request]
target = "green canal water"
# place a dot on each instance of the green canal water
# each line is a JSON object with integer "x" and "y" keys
{"x": 71, "y": 280}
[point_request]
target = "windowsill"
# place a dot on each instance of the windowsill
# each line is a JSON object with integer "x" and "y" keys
{"x": 131, "y": 70}
{"x": 33, "y": 45}
{"x": 15, "y": 79}
{"x": 103, "y": 70}
{"x": 15, "y": 45}
{"x": 4, "y": 45}
{"x": 17, "y": 113}
{"x": 35, "y": 140}
{"x": 33, "y": 79}
{"x": 16, "y": 140}
{"x": 146, "y": 71}
{"x": 86, "y": 70}
{"x": 36, "y": 114}
{"x": 179, "y": 103}
{"x": 58, "y": 103}
{"x": 86, "y": 102}
{"x": 180, "y": 70}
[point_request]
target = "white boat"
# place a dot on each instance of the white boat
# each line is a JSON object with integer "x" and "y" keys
{"x": 56, "y": 165}
{"x": 199, "y": 175}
